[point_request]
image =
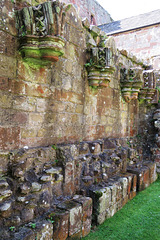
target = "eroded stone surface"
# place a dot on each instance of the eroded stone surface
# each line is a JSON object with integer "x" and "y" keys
{"x": 43, "y": 111}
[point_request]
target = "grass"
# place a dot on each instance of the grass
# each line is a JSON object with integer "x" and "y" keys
{"x": 139, "y": 219}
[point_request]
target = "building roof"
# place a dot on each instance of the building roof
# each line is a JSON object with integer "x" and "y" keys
{"x": 135, "y": 22}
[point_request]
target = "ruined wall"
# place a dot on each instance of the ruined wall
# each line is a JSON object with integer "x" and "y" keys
{"x": 143, "y": 43}
{"x": 91, "y": 9}
{"x": 48, "y": 105}
{"x": 74, "y": 117}
{"x": 96, "y": 14}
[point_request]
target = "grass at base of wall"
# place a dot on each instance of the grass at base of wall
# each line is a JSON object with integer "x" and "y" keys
{"x": 139, "y": 219}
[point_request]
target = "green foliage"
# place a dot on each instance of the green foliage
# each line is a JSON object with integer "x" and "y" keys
{"x": 98, "y": 194}
{"x": 12, "y": 228}
{"x": 51, "y": 220}
{"x": 89, "y": 64}
{"x": 158, "y": 88}
{"x": 23, "y": 31}
{"x": 51, "y": 217}
{"x": 93, "y": 87}
{"x": 67, "y": 8}
{"x": 58, "y": 9}
{"x": 128, "y": 143}
{"x": 32, "y": 225}
{"x": 138, "y": 136}
{"x": 77, "y": 165}
{"x": 139, "y": 219}
{"x": 54, "y": 147}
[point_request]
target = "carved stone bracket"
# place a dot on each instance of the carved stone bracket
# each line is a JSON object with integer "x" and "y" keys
{"x": 40, "y": 31}
{"x": 131, "y": 82}
{"x": 99, "y": 67}
{"x": 148, "y": 91}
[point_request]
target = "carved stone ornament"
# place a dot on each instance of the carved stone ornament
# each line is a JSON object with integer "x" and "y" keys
{"x": 99, "y": 67}
{"x": 148, "y": 91}
{"x": 40, "y": 31}
{"x": 131, "y": 82}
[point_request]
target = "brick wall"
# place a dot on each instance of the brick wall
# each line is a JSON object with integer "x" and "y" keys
{"x": 143, "y": 43}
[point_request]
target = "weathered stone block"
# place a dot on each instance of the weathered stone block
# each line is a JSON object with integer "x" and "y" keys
{"x": 111, "y": 210}
{"x": 133, "y": 186}
{"x": 124, "y": 183}
{"x": 119, "y": 194}
{"x": 27, "y": 214}
{"x": 139, "y": 175}
{"x": 113, "y": 189}
{"x": 109, "y": 144}
{"x": 101, "y": 202}
{"x": 119, "y": 204}
{"x": 83, "y": 148}
{"x": 44, "y": 230}
{"x": 95, "y": 148}
{"x": 153, "y": 174}
{"x": 86, "y": 203}
{"x": 8, "y": 44}
{"x": 60, "y": 220}
{"x": 146, "y": 179}
{"x": 5, "y": 100}
{"x": 75, "y": 216}
{"x": 10, "y": 138}
{"x": 36, "y": 90}
{"x": 8, "y": 67}
{"x": 28, "y": 132}
{"x": 36, "y": 119}
{"x": 5, "y": 208}
{"x": 24, "y": 234}
{"x": 152, "y": 171}
{"x": 4, "y": 83}
{"x": 36, "y": 187}
{"x": 68, "y": 185}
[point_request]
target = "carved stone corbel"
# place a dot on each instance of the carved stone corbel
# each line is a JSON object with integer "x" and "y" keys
{"x": 131, "y": 82}
{"x": 99, "y": 67}
{"x": 149, "y": 88}
{"x": 40, "y": 32}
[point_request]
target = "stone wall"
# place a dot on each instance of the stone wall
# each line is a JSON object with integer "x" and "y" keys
{"x": 143, "y": 43}
{"x": 48, "y": 105}
{"x": 91, "y": 9}
{"x": 75, "y": 121}
{"x": 96, "y": 14}
{"x": 57, "y": 192}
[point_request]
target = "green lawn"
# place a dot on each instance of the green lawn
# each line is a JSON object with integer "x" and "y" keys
{"x": 138, "y": 220}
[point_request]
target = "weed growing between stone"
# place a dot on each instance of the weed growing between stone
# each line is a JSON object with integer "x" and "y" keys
{"x": 139, "y": 219}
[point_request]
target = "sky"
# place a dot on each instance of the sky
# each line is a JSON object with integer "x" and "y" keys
{"x": 120, "y": 9}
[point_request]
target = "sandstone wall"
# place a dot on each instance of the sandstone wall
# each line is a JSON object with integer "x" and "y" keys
{"x": 91, "y": 9}
{"x": 143, "y": 43}
{"x": 58, "y": 192}
{"x": 68, "y": 126}
{"x": 88, "y": 8}
{"x": 49, "y": 105}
